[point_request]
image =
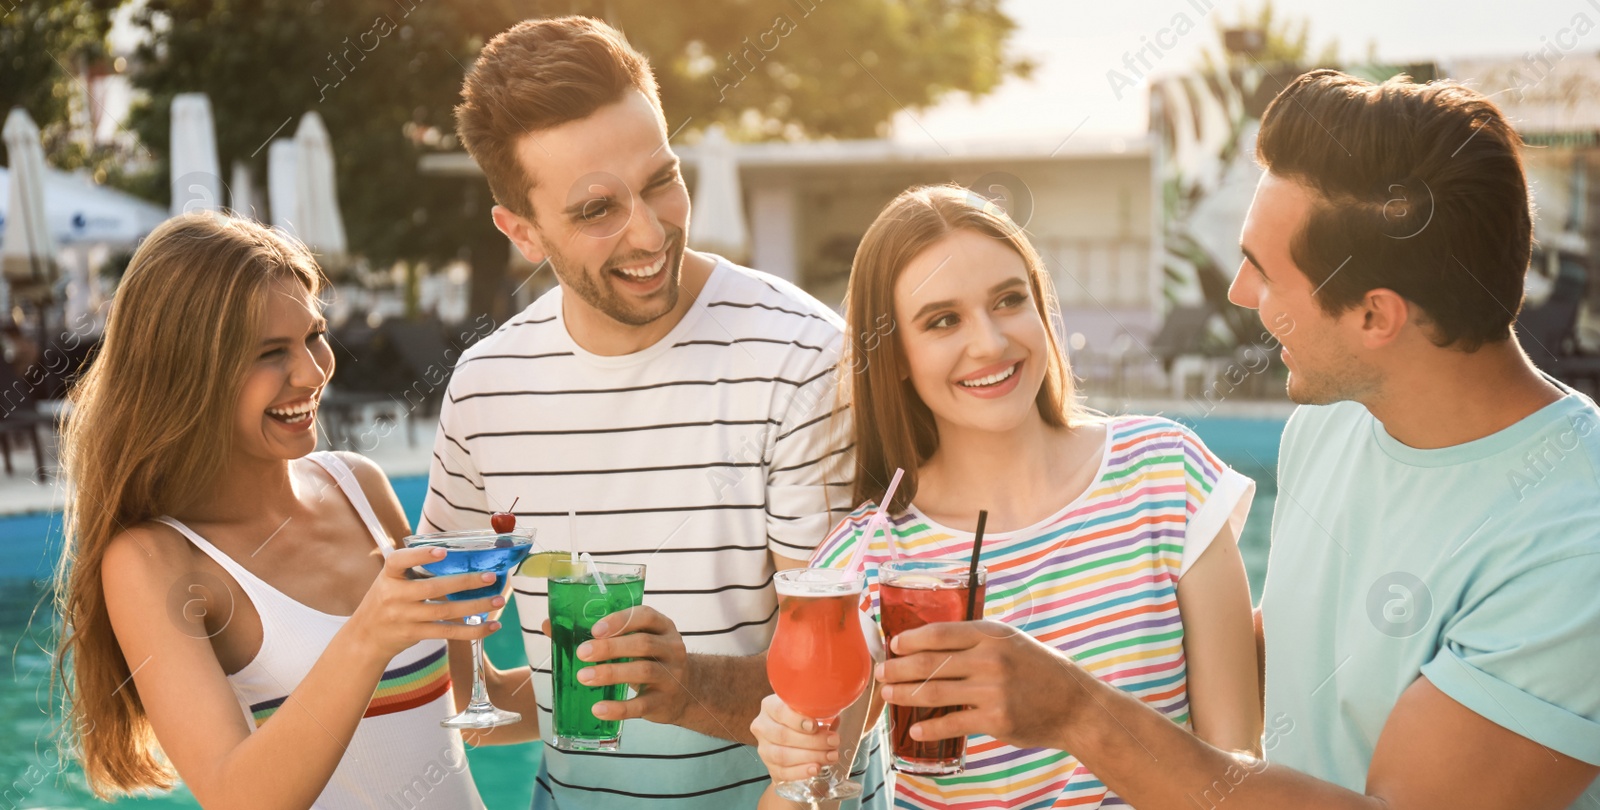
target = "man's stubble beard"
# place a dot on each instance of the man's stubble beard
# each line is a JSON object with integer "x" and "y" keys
{"x": 1349, "y": 381}
{"x": 603, "y": 296}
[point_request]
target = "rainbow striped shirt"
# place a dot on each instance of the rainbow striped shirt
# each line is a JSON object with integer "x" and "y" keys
{"x": 1097, "y": 580}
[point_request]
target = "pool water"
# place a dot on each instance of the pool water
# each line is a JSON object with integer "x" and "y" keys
{"x": 32, "y": 775}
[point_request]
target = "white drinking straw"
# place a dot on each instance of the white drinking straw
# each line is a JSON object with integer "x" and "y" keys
{"x": 588, "y": 561}
{"x": 572, "y": 536}
{"x": 878, "y": 521}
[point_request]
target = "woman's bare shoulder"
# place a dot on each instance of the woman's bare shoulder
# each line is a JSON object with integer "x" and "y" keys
{"x": 146, "y": 555}
{"x": 379, "y": 492}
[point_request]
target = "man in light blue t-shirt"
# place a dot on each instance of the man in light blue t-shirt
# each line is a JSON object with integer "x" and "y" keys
{"x": 1432, "y": 608}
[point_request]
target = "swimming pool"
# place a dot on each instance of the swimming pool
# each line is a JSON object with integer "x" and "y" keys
{"x": 30, "y": 776}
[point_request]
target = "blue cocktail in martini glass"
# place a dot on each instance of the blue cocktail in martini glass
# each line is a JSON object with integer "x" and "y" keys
{"x": 477, "y": 551}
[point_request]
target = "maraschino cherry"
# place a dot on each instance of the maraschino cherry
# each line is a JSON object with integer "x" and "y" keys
{"x": 504, "y": 522}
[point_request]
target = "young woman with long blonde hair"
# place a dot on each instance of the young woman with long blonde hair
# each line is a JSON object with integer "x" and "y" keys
{"x": 1110, "y": 540}
{"x": 235, "y": 610}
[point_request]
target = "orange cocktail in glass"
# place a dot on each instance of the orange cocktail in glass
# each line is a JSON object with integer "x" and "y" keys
{"x": 818, "y": 663}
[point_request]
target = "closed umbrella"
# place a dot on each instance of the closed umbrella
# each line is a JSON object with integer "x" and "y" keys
{"x": 321, "y": 226}
{"x": 717, "y": 224}
{"x": 283, "y": 180}
{"x": 196, "y": 172}
{"x": 27, "y": 253}
{"x": 242, "y": 192}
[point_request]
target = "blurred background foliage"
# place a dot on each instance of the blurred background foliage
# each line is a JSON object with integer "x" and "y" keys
{"x": 385, "y": 75}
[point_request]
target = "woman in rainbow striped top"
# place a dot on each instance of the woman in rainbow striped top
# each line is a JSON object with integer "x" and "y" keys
{"x": 1112, "y": 540}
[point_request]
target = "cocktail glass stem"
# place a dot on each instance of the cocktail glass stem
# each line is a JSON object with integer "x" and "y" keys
{"x": 480, "y": 713}
{"x": 480, "y": 692}
{"x": 828, "y": 784}
{"x": 822, "y": 784}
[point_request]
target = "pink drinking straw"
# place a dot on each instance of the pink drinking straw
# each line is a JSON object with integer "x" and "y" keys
{"x": 878, "y": 522}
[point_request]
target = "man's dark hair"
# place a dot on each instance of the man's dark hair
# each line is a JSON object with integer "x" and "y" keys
{"x": 1420, "y": 190}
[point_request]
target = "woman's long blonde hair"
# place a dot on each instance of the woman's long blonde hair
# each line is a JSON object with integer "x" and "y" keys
{"x": 893, "y": 427}
{"x": 151, "y": 425}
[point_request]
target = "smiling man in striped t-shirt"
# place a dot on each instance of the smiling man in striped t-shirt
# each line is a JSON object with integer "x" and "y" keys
{"x": 680, "y": 404}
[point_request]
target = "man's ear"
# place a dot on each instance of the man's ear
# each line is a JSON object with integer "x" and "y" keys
{"x": 1384, "y": 314}
{"x": 521, "y": 233}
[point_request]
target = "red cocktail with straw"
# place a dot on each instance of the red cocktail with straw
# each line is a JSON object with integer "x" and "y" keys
{"x": 913, "y": 593}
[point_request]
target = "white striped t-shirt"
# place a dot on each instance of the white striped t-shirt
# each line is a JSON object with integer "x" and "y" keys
{"x": 699, "y": 457}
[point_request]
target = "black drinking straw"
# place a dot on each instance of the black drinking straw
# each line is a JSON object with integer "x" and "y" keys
{"x": 972, "y": 570}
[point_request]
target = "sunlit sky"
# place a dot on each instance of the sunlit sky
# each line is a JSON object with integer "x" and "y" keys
{"x": 1076, "y": 42}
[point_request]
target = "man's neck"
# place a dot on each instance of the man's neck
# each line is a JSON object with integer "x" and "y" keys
{"x": 600, "y": 334}
{"x": 1455, "y": 397}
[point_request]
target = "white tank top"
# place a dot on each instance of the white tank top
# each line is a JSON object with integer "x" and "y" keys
{"x": 399, "y": 756}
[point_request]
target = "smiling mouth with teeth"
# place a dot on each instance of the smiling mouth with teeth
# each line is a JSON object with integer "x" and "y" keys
{"x": 993, "y": 379}
{"x": 295, "y": 415}
{"x": 645, "y": 272}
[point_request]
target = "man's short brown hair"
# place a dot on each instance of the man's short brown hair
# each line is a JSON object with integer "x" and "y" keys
{"x": 1419, "y": 189}
{"x": 536, "y": 75}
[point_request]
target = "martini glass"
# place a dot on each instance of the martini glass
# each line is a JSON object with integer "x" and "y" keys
{"x": 471, "y": 552}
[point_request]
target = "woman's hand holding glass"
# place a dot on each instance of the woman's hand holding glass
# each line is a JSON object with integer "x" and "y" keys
{"x": 398, "y": 611}
{"x": 792, "y": 746}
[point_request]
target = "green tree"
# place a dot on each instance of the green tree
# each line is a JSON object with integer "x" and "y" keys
{"x": 385, "y": 76}
{"x": 44, "y": 46}
{"x": 787, "y": 69}
{"x": 368, "y": 68}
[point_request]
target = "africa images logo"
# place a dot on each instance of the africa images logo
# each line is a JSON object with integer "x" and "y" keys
{"x": 1399, "y": 604}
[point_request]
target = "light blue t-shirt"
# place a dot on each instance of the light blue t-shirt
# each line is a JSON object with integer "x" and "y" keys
{"x": 1476, "y": 566}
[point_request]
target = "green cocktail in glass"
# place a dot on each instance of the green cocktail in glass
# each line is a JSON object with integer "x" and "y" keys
{"x": 582, "y": 593}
